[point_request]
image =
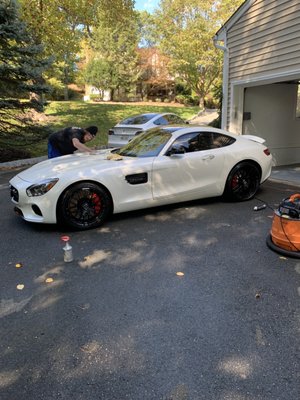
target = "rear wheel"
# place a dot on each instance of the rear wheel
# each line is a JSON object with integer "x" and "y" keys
{"x": 84, "y": 206}
{"x": 242, "y": 182}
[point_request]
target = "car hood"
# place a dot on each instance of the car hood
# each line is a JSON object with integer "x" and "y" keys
{"x": 81, "y": 164}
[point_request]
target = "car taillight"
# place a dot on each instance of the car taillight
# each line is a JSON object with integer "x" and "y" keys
{"x": 111, "y": 132}
{"x": 267, "y": 152}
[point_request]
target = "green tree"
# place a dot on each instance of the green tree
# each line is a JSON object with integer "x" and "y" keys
{"x": 21, "y": 67}
{"x": 147, "y": 29}
{"x": 115, "y": 40}
{"x": 100, "y": 74}
{"x": 186, "y": 35}
{"x": 60, "y": 25}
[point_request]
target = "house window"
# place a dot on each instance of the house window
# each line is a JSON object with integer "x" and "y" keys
{"x": 298, "y": 102}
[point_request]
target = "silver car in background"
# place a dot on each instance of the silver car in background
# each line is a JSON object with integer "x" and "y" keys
{"x": 125, "y": 130}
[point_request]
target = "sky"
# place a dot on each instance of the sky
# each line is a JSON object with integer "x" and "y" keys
{"x": 147, "y": 5}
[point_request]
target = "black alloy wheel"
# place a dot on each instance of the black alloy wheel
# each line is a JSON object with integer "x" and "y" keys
{"x": 242, "y": 182}
{"x": 84, "y": 206}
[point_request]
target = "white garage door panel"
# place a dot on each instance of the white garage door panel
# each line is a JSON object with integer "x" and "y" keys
{"x": 272, "y": 109}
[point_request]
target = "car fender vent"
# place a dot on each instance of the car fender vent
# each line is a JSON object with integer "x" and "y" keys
{"x": 36, "y": 210}
{"x": 136, "y": 179}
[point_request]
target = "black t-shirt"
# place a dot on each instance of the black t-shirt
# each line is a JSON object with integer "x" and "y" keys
{"x": 62, "y": 140}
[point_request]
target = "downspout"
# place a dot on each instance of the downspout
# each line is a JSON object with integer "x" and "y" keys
{"x": 224, "y": 48}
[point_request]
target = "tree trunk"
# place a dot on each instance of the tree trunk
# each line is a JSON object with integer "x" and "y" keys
{"x": 66, "y": 93}
{"x": 37, "y": 101}
{"x": 201, "y": 103}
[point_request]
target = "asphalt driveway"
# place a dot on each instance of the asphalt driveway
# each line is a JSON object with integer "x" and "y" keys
{"x": 176, "y": 303}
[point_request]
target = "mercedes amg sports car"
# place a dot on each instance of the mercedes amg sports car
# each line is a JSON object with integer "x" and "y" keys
{"x": 161, "y": 166}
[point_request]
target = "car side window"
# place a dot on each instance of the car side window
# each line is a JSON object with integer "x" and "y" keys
{"x": 161, "y": 121}
{"x": 220, "y": 140}
{"x": 199, "y": 141}
{"x": 187, "y": 141}
{"x": 174, "y": 119}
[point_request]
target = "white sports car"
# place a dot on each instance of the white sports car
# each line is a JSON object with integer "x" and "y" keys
{"x": 161, "y": 166}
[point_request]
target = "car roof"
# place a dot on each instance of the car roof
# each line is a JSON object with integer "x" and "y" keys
{"x": 132, "y": 120}
{"x": 152, "y": 114}
{"x": 177, "y": 130}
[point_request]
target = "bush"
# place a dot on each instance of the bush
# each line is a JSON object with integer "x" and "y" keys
{"x": 182, "y": 89}
{"x": 11, "y": 154}
{"x": 95, "y": 97}
{"x": 211, "y": 103}
{"x": 216, "y": 123}
{"x": 180, "y": 98}
{"x": 187, "y": 100}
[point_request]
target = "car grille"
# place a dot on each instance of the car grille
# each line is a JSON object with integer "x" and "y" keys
{"x": 14, "y": 194}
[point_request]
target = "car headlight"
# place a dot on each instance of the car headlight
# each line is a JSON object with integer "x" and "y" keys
{"x": 38, "y": 189}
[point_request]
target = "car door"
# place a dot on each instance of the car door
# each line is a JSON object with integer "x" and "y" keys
{"x": 196, "y": 173}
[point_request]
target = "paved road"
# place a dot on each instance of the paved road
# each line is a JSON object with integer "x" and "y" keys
{"x": 119, "y": 323}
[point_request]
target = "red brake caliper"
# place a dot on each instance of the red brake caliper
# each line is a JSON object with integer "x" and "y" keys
{"x": 234, "y": 182}
{"x": 97, "y": 203}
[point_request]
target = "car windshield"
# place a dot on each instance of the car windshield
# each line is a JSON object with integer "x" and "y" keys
{"x": 148, "y": 144}
{"x": 137, "y": 119}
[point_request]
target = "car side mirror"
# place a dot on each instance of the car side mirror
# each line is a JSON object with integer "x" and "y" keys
{"x": 176, "y": 149}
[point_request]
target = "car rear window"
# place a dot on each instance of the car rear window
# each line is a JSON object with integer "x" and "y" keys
{"x": 137, "y": 119}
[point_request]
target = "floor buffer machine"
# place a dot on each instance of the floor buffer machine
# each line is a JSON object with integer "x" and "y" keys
{"x": 284, "y": 237}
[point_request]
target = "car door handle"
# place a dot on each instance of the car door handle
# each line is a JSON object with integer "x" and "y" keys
{"x": 208, "y": 157}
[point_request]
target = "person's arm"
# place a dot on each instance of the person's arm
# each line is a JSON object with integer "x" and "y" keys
{"x": 80, "y": 146}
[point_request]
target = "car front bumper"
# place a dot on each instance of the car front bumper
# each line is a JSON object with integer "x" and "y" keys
{"x": 39, "y": 209}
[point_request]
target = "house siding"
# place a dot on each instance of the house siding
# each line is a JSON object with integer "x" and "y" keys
{"x": 264, "y": 42}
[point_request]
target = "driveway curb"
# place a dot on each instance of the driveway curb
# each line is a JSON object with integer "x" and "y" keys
{"x": 21, "y": 163}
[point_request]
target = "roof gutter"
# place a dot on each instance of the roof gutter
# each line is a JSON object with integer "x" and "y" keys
{"x": 220, "y": 42}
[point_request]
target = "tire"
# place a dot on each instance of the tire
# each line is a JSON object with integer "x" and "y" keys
{"x": 84, "y": 206}
{"x": 242, "y": 182}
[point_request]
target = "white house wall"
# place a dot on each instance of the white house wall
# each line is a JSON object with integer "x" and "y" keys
{"x": 263, "y": 47}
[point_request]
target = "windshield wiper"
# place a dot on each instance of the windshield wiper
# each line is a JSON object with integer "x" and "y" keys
{"x": 127, "y": 154}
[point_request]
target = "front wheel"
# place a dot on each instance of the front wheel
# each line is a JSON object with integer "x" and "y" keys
{"x": 84, "y": 206}
{"x": 242, "y": 182}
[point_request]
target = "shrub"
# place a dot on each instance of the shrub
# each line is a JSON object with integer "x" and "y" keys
{"x": 216, "y": 123}
{"x": 210, "y": 102}
{"x": 187, "y": 100}
{"x": 182, "y": 89}
{"x": 180, "y": 98}
{"x": 11, "y": 154}
{"x": 95, "y": 97}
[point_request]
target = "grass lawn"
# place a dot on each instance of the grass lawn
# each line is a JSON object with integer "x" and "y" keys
{"x": 104, "y": 115}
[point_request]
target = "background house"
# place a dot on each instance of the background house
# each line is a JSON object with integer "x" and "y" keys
{"x": 154, "y": 83}
{"x": 261, "y": 74}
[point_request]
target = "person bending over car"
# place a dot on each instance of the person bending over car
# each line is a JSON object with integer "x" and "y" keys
{"x": 69, "y": 140}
